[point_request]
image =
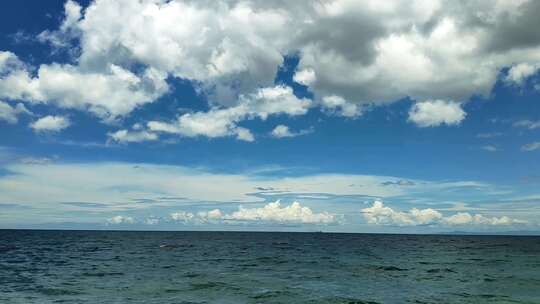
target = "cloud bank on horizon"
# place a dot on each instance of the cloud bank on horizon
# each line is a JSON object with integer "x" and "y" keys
{"x": 118, "y": 69}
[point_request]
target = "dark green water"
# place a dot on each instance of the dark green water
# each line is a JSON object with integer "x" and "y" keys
{"x": 231, "y": 267}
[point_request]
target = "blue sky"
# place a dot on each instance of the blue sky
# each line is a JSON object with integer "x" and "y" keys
{"x": 372, "y": 118}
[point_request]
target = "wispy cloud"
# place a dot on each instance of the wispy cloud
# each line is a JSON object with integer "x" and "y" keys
{"x": 490, "y": 148}
{"x": 531, "y": 146}
{"x": 528, "y": 124}
{"x": 489, "y": 135}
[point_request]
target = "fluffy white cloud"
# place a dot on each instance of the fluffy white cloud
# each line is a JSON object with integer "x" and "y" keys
{"x": 464, "y": 218}
{"x": 209, "y": 216}
{"x": 120, "y": 219}
{"x": 202, "y": 217}
{"x": 305, "y": 76}
{"x": 281, "y": 131}
{"x": 126, "y": 136}
{"x": 337, "y": 104}
{"x": 10, "y": 114}
{"x": 50, "y": 123}
{"x": 351, "y": 53}
{"x": 271, "y": 212}
{"x": 519, "y": 73}
{"x": 182, "y": 216}
{"x": 379, "y": 214}
{"x": 244, "y": 134}
{"x": 432, "y": 113}
{"x": 531, "y": 146}
{"x": 220, "y": 122}
{"x": 110, "y": 93}
{"x": 528, "y": 124}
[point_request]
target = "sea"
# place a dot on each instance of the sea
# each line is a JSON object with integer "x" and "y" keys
{"x": 39, "y": 266}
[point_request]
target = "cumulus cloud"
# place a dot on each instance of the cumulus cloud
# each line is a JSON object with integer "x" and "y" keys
{"x": 50, "y": 123}
{"x": 337, "y": 104}
{"x": 518, "y": 74}
{"x": 107, "y": 92}
{"x": 464, "y": 218}
{"x": 432, "y": 113}
{"x": 379, "y": 214}
{"x": 11, "y": 114}
{"x": 212, "y": 215}
{"x": 281, "y": 131}
{"x": 351, "y": 53}
{"x": 271, "y": 212}
{"x": 182, "y": 216}
{"x": 220, "y": 122}
{"x": 305, "y": 76}
{"x": 531, "y": 146}
{"x": 274, "y": 212}
{"x": 528, "y": 124}
{"x": 120, "y": 219}
{"x": 126, "y": 136}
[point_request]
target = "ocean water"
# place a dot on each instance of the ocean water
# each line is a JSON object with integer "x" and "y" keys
{"x": 244, "y": 267}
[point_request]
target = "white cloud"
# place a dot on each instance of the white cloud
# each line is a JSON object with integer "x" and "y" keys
{"x": 305, "y": 76}
{"x": 50, "y": 123}
{"x": 425, "y": 51}
{"x": 209, "y": 216}
{"x": 271, "y": 212}
{"x": 381, "y": 215}
{"x": 115, "y": 184}
{"x": 432, "y": 113}
{"x": 202, "y": 217}
{"x": 519, "y": 73}
{"x": 36, "y": 160}
{"x": 120, "y": 219}
{"x": 531, "y": 146}
{"x": 490, "y": 148}
{"x": 337, "y": 104}
{"x": 10, "y": 114}
{"x": 464, "y": 218}
{"x": 378, "y": 214}
{"x": 108, "y": 94}
{"x": 244, "y": 134}
{"x": 528, "y": 124}
{"x": 220, "y": 122}
{"x": 281, "y": 131}
{"x": 126, "y": 136}
{"x": 182, "y": 216}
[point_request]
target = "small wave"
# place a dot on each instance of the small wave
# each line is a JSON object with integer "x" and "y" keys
{"x": 439, "y": 270}
{"x": 390, "y": 268}
{"x": 102, "y": 274}
{"x": 58, "y": 292}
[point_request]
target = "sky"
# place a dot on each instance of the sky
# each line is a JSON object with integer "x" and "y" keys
{"x": 335, "y": 115}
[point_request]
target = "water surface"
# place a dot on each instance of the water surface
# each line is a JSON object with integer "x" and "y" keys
{"x": 248, "y": 267}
